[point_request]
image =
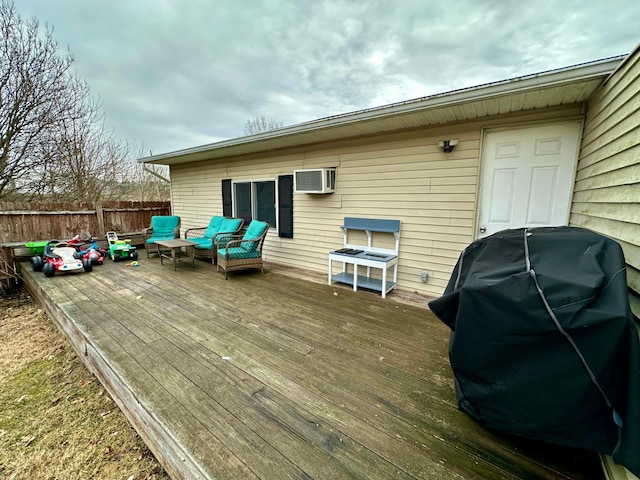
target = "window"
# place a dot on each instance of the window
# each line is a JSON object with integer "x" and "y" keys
{"x": 255, "y": 200}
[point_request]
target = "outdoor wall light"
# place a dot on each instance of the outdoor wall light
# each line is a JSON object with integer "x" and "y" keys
{"x": 447, "y": 145}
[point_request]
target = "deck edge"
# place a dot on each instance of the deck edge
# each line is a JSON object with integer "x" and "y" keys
{"x": 173, "y": 457}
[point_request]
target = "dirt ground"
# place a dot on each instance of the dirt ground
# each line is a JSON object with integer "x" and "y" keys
{"x": 56, "y": 420}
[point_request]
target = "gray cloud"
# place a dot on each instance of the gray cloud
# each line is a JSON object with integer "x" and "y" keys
{"x": 175, "y": 74}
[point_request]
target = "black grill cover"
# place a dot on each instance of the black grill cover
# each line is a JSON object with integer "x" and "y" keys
{"x": 543, "y": 342}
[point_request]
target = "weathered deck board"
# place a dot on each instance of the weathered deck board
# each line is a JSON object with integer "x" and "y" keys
{"x": 271, "y": 377}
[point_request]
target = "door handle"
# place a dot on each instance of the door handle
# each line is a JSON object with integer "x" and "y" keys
{"x": 483, "y": 229}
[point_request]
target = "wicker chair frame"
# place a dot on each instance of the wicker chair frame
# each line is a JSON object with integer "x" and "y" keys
{"x": 231, "y": 264}
{"x": 147, "y": 233}
{"x": 198, "y": 232}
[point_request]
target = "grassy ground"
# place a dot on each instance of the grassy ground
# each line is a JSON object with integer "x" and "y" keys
{"x": 56, "y": 420}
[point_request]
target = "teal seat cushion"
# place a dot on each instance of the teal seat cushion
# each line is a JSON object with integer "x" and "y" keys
{"x": 237, "y": 253}
{"x": 155, "y": 239}
{"x": 202, "y": 243}
{"x": 255, "y": 230}
{"x": 214, "y": 227}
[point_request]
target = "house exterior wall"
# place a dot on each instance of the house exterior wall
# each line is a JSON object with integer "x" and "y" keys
{"x": 607, "y": 190}
{"x": 403, "y": 176}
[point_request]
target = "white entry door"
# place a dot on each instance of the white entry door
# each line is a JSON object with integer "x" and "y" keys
{"x": 527, "y": 177}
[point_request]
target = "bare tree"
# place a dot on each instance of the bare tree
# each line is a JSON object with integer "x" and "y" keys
{"x": 53, "y": 143}
{"x": 148, "y": 182}
{"x": 261, "y": 124}
{"x": 38, "y": 94}
{"x": 151, "y": 184}
{"x": 83, "y": 159}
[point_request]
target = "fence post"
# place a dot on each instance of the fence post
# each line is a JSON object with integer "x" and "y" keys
{"x": 100, "y": 218}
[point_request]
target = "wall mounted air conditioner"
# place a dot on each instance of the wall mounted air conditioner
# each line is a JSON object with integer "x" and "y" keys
{"x": 314, "y": 180}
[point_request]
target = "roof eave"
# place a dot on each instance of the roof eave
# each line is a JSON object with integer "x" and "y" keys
{"x": 592, "y": 70}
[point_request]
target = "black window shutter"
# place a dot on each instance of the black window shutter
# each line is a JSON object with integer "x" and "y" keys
{"x": 285, "y": 206}
{"x": 227, "y": 207}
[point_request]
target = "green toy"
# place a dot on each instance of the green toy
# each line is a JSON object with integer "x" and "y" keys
{"x": 120, "y": 249}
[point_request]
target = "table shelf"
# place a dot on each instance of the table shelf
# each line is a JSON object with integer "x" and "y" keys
{"x": 363, "y": 282}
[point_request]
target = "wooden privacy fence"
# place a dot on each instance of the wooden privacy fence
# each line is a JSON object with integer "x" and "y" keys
{"x": 32, "y": 221}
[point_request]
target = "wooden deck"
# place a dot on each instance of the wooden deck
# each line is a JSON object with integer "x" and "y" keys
{"x": 274, "y": 377}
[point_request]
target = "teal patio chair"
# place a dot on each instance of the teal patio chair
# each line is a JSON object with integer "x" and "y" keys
{"x": 163, "y": 227}
{"x": 206, "y": 237}
{"x": 235, "y": 253}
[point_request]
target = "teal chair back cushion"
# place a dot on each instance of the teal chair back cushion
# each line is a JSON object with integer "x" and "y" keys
{"x": 214, "y": 227}
{"x": 163, "y": 226}
{"x": 230, "y": 225}
{"x": 255, "y": 230}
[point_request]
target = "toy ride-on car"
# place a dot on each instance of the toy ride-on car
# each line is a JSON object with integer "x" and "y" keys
{"x": 89, "y": 249}
{"x": 59, "y": 257}
{"x": 120, "y": 249}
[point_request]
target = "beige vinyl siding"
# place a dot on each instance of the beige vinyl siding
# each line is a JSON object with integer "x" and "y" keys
{"x": 607, "y": 190}
{"x": 403, "y": 176}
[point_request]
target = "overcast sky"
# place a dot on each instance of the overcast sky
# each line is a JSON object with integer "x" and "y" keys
{"x": 174, "y": 74}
